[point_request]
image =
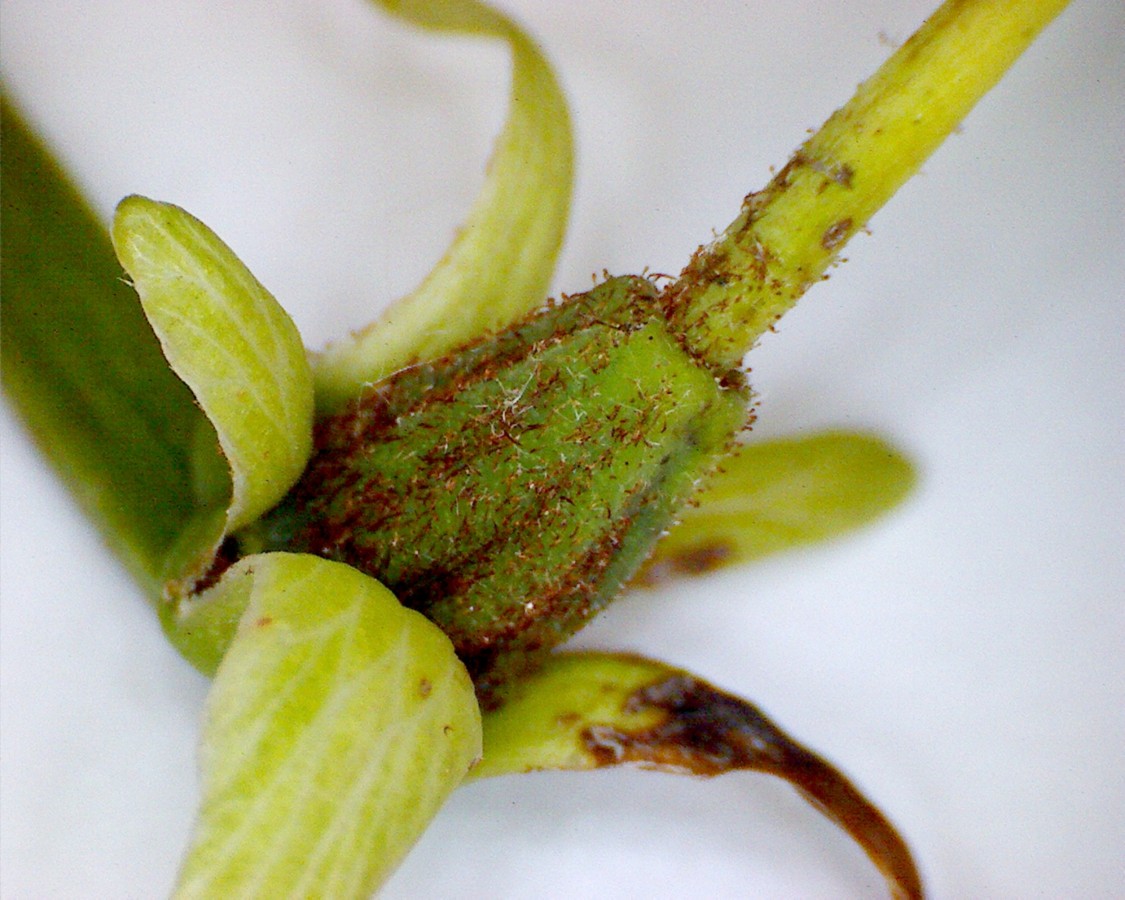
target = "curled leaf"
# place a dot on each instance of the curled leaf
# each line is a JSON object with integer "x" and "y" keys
{"x": 781, "y": 494}
{"x": 230, "y": 342}
{"x": 337, "y": 724}
{"x": 588, "y": 710}
{"x": 500, "y": 264}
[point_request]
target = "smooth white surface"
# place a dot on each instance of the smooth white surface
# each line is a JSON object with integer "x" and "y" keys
{"x": 962, "y": 659}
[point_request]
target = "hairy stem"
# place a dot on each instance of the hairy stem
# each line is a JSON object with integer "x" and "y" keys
{"x": 787, "y": 235}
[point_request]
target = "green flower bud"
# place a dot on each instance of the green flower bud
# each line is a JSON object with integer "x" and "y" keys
{"x": 509, "y": 491}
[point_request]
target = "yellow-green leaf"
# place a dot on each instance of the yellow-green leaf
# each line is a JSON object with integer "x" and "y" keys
{"x": 337, "y": 724}
{"x": 500, "y": 264}
{"x": 781, "y": 494}
{"x": 230, "y": 342}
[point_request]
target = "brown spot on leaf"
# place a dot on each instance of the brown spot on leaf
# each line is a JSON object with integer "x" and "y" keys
{"x": 705, "y": 731}
{"x": 425, "y": 688}
{"x": 703, "y": 558}
{"x": 695, "y": 560}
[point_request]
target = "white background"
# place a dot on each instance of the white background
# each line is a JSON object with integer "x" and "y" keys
{"x": 962, "y": 659}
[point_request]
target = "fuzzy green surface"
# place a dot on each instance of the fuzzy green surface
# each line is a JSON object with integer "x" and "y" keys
{"x": 510, "y": 492}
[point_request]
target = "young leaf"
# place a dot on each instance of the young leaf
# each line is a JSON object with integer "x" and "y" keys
{"x": 230, "y": 342}
{"x": 337, "y": 724}
{"x": 781, "y": 494}
{"x": 499, "y": 266}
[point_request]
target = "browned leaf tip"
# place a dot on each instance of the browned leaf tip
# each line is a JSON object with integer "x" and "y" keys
{"x": 708, "y": 732}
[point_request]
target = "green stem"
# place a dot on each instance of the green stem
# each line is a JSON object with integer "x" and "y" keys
{"x": 787, "y": 235}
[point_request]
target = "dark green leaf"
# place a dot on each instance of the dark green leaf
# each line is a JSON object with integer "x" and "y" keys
{"x": 82, "y": 366}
